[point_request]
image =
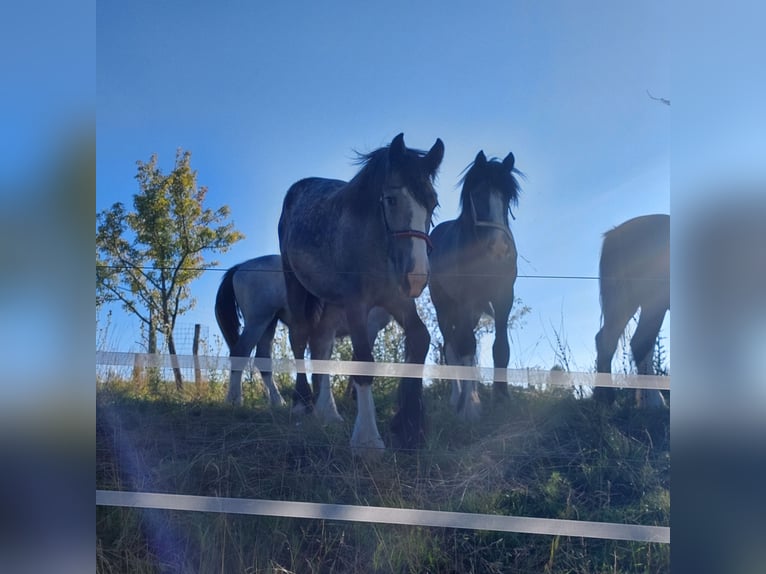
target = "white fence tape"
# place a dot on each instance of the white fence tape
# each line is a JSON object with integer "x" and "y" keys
{"x": 382, "y": 515}
{"x": 446, "y": 372}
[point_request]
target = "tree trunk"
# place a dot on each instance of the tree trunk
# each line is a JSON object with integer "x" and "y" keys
{"x": 174, "y": 361}
{"x": 195, "y": 352}
{"x": 152, "y": 344}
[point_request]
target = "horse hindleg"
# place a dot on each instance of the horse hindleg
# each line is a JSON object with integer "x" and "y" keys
{"x": 303, "y": 400}
{"x": 320, "y": 344}
{"x": 241, "y": 350}
{"x": 616, "y": 314}
{"x": 408, "y": 424}
{"x": 263, "y": 351}
{"x": 641, "y": 345}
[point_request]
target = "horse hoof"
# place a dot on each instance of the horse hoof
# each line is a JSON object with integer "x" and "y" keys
{"x": 330, "y": 418}
{"x": 470, "y": 413}
{"x": 301, "y": 410}
{"x": 368, "y": 450}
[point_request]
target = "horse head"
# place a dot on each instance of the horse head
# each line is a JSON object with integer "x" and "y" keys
{"x": 407, "y": 203}
{"x": 489, "y": 189}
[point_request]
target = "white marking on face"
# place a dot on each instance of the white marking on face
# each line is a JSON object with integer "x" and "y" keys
{"x": 496, "y": 207}
{"x": 499, "y": 245}
{"x": 418, "y": 277}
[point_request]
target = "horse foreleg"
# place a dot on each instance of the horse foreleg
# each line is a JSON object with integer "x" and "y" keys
{"x": 642, "y": 345}
{"x": 501, "y": 350}
{"x": 365, "y": 438}
{"x": 465, "y": 393}
{"x": 451, "y": 358}
{"x": 408, "y": 424}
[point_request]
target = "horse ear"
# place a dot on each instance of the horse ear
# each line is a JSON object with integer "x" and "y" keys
{"x": 509, "y": 161}
{"x": 435, "y": 155}
{"x": 397, "y": 148}
{"x": 481, "y": 159}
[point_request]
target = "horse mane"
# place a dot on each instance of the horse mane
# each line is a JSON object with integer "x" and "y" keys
{"x": 498, "y": 177}
{"x": 366, "y": 185}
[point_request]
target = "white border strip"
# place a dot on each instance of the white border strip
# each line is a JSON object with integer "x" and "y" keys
{"x": 382, "y": 515}
{"x": 445, "y": 372}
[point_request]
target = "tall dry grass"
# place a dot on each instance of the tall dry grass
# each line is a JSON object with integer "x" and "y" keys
{"x": 543, "y": 454}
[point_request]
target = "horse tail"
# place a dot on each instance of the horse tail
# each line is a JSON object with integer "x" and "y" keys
{"x": 227, "y": 309}
{"x": 609, "y": 279}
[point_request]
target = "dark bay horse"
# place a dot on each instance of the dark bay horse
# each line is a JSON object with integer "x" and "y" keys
{"x": 634, "y": 272}
{"x": 255, "y": 290}
{"x": 473, "y": 270}
{"x": 361, "y": 244}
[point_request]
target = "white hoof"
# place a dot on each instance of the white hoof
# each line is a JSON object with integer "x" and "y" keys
{"x": 471, "y": 410}
{"x": 329, "y": 417}
{"x": 326, "y": 409}
{"x": 650, "y": 399}
{"x": 365, "y": 440}
{"x": 454, "y": 398}
{"x": 368, "y": 448}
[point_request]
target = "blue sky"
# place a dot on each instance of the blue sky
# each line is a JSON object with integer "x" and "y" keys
{"x": 265, "y": 94}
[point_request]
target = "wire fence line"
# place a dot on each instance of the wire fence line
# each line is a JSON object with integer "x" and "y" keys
{"x": 338, "y": 272}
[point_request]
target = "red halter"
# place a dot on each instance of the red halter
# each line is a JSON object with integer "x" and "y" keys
{"x": 405, "y": 232}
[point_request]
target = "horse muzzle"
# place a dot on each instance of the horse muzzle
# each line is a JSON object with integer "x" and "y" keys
{"x": 499, "y": 245}
{"x": 417, "y": 273}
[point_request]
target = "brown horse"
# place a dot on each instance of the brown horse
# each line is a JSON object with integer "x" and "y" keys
{"x": 634, "y": 272}
{"x": 473, "y": 266}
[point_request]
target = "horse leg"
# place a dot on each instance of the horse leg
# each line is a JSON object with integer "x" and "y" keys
{"x": 377, "y": 320}
{"x": 468, "y": 404}
{"x": 641, "y": 345}
{"x": 451, "y": 358}
{"x": 242, "y": 349}
{"x": 409, "y": 422}
{"x": 501, "y": 351}
{"x": 320, "y": 344}
{"x": 458, "y": 352}
{"x": 615, "y": 319}
{"x": 365, "y": 438}
{"x": 303, "y": 400}
{"x": 263, "y": 351}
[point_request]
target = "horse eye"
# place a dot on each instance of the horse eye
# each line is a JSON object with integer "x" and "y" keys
{"x": 390, "y": 200}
